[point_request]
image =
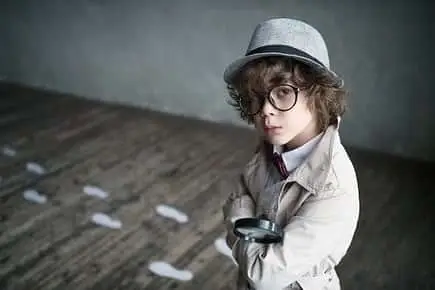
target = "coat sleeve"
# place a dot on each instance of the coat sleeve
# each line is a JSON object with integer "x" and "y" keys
{"x": 239, "y": 204}
{"x": 310, "y": 236}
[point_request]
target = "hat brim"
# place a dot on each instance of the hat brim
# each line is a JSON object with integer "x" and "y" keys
{"x": 235, "y": 67}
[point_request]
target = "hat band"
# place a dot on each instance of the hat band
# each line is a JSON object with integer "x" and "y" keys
{"x": 285, "y": 50}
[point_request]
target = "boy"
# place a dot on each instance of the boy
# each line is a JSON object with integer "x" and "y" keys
{"x": 301, "y": 176}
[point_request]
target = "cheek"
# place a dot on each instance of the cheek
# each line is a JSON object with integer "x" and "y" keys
{"x": 297, "y": 120}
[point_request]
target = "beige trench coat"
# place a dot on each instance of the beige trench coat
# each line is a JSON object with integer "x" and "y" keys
{"x": 318, "y": 208}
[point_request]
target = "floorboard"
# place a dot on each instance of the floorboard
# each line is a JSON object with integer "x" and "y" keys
{"x": 144, "y": 159}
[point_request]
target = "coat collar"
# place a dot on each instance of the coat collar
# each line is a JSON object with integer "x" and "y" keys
{"x": 312, "y": 174}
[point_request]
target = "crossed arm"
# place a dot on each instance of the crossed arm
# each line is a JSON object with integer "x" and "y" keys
{"x": 309, "y": 236}
{"x": 239, "y": 204}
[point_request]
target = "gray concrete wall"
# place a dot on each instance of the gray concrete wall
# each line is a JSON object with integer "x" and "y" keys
{"x": 170, "y": 55}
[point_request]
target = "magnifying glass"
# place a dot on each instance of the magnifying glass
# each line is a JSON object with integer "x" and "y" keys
{"x": 258, "y": 230}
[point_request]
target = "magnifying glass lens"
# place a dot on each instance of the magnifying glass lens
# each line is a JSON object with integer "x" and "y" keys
{"x": 254, "y": 232}
{"x": 258, "y": 230}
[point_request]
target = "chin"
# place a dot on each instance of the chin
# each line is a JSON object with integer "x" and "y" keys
{"x": 278, "y": 141}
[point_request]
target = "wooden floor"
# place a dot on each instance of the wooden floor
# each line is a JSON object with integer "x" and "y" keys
{"x": 143, "y": 159}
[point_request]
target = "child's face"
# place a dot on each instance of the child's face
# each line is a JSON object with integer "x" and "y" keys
{"x": 293, "y": 127}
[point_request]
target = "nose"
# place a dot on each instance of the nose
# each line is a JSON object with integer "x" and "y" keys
{"x": 268, "y": 109}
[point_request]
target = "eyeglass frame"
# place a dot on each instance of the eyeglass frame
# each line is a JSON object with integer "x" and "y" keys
{"x": 269, "y": 93}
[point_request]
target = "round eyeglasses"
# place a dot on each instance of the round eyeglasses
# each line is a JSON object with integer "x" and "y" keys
{"x": 281, "y": 97}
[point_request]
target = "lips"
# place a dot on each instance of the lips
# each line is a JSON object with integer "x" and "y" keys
{"x": 271, "y": 129}
{"x": 268, "y": 126}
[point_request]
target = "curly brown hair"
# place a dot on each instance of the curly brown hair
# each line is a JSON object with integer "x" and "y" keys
{"x": 325, "y": 94}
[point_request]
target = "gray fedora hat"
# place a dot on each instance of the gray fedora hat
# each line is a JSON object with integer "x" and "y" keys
{"x": 285, "y": 37}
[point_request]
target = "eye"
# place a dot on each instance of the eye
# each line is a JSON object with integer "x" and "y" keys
{"x": 283, "y": 92}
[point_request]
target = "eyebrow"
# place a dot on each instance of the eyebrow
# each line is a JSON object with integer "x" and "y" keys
{"x": 282, "y": 77}
{"x": 280, "y": 81}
